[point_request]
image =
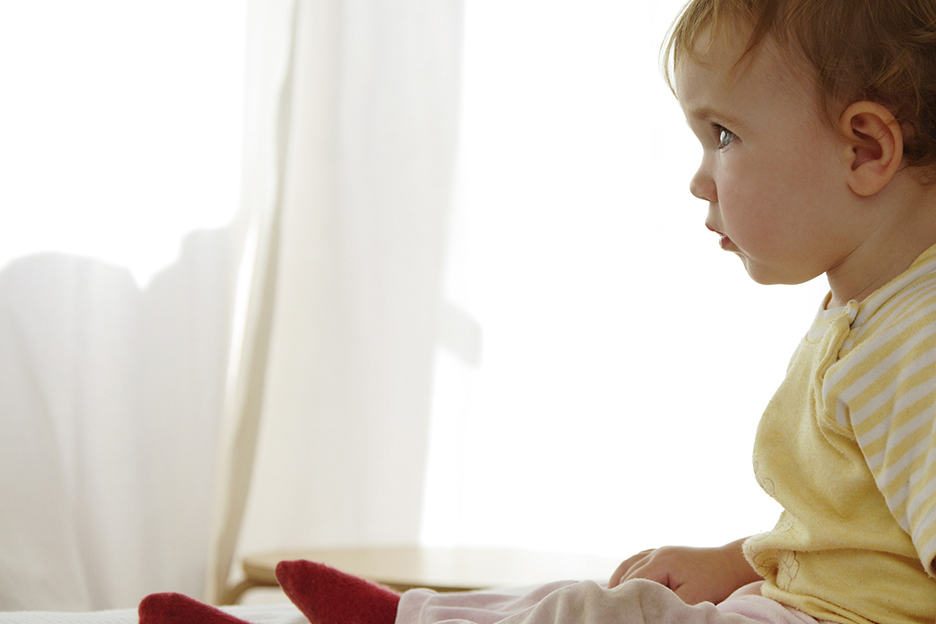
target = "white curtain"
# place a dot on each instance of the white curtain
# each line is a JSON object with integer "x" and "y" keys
{"x": 134, "y": 386}
{"x": 373, "y": 118}
{"x": 121, "y": 242}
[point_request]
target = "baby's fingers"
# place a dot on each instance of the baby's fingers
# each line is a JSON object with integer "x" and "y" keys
{"x": 628, "y": 568}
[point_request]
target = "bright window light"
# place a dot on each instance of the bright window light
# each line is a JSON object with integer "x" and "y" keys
{"x": 624, "y": 358}
{"x": 120, "y": 127}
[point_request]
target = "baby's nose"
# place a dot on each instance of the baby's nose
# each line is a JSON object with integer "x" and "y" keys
{"x": 703, "y": 187}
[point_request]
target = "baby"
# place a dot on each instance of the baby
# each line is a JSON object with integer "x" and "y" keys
{"x": 817, "y": 120}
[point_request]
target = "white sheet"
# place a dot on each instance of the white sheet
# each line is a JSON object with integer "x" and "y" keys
{"x": 283, "y": 613}
{"x": 258, "y": 614}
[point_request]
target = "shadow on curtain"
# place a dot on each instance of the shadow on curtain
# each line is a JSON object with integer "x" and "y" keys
{"x": 109, "y": 400}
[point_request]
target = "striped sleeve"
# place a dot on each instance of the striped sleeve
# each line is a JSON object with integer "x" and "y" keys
{"x": 886, "y": 389}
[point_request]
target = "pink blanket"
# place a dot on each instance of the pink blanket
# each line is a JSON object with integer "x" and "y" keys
{"x": 634, "y": 602}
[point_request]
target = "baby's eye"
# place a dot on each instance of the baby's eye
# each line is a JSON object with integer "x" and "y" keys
{"x": 725, "y": 137}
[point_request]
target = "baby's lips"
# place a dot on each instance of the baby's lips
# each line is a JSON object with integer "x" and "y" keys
{"x": 723, "y": 240}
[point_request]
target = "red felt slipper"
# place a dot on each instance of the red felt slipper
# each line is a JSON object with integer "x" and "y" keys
{"x": 328, "y": 596}
{"x": 171, "y": 608}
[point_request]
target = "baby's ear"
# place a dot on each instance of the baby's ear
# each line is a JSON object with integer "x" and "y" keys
{"x": 874, "y": 146}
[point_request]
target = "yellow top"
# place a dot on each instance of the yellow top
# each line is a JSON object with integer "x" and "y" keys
{"x": 848, "y": 447}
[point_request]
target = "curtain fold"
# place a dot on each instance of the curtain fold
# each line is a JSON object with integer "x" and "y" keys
{"x": 342, "y": 448}
{"x": 270, "y": 48}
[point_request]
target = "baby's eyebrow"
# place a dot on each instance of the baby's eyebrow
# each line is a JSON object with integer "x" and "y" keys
{"x": 706, "y": 113}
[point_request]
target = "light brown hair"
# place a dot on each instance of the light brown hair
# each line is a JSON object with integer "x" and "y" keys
{"x": 878, "y": 50}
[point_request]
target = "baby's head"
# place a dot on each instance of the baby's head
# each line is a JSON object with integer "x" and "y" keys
{"x": 882, "y": 51}
{"x": 817, "y": 120}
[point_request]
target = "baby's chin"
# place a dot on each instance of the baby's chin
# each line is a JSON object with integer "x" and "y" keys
{"x": 770, "y": 276}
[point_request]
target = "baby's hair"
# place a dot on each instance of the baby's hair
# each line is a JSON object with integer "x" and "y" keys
{"x": 883, "y": 51}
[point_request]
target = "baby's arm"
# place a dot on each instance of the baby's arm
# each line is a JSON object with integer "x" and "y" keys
{"x": 695, "y": 574}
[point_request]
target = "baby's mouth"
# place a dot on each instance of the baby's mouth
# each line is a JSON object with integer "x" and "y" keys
{"x": 723, "y": 240}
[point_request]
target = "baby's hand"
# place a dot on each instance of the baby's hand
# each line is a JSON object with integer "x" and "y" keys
{"x": 695, "y": 574}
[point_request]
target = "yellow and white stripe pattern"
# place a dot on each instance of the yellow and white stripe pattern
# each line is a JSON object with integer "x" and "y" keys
{"x": 884, "y": 391}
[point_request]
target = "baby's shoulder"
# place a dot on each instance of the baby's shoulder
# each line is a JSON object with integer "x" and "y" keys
{"x": 909, "y": 313}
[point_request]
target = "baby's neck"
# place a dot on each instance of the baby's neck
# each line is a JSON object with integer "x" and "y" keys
{"x": 906, "y": 229}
